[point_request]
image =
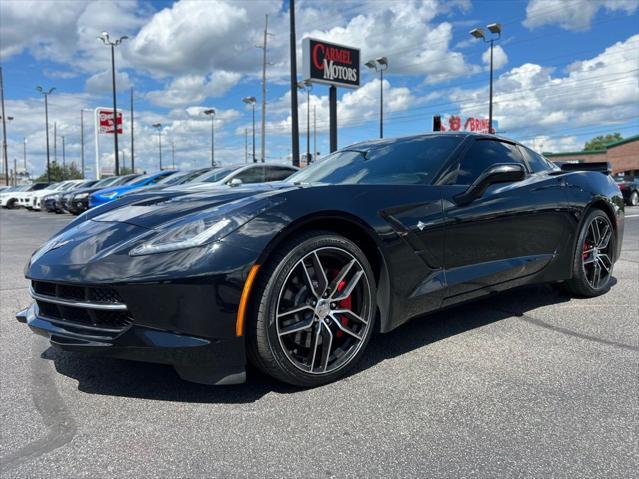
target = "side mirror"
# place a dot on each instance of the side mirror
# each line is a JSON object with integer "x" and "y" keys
{"x": 499, "y": 173}
{"x": 235, "y": 182}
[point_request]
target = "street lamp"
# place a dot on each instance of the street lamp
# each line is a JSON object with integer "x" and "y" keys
{"x": 211, "y": 112}
{"x": 495, "y": 30}
{"x": 158, "y": 126}
{"x": 4, "y": 145}
{"x": 307, "y": 86}
{"x": 380, "y": 65}
{"x": 113, "y": 43}
{"x": 24, "y": 154}
{"x": 250, "y": 100}
{"x": 46, "y": 120}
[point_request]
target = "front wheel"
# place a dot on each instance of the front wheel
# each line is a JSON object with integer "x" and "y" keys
{"x": 315, "y": 310}
{"x": 593, "y": 260}
{"x": 634, "y": 199}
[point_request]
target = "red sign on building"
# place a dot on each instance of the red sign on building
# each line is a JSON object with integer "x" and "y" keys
{"x": 105, "y": 122}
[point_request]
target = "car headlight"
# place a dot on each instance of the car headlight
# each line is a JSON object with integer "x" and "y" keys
{"x": 204, "y": 227}
{"x": 80, "y": 196}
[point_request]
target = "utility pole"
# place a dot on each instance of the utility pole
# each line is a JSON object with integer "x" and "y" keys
{"x": 64, "y": 160}
{"x": 314, "y": 133}
{"x": 295, "y": 129}
{"x": 158, "y": 126}
{"x": 245, "y": 145}
{"x": 173, "y": 152}
{"x": 24, "y": 154}
{"x": 55, "y": 141}
{"x": 15, "y": 172}
{"x": 132, "y": 139}
{"x": 4, "y": 133}
{"x": 82, "y": 140}
{"x": 211, "y": 113}
{"x": 46, "y": 120}
{"x": 263, "y": 126}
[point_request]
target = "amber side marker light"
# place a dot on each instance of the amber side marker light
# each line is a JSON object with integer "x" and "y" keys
{"x": 241, "y": 311}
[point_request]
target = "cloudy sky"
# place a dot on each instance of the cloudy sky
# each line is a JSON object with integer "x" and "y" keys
{"x": 566, "y": 70}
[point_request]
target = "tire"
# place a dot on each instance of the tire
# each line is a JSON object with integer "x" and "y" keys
{"x": 592, "y": 264}
{"x": 309, "y": 328}
{"x": 634, "y": 199}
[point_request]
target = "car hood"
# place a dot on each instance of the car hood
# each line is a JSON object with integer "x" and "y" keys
{"x": 152, "y": 209}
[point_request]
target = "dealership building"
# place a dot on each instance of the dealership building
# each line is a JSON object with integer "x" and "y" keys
{"x": 622, "y": 155}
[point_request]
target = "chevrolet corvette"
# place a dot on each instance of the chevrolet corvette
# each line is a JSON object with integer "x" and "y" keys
{"x": 295, "y": 276}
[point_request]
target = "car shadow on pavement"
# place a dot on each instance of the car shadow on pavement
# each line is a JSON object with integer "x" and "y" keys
{"x": 115, "y": 377}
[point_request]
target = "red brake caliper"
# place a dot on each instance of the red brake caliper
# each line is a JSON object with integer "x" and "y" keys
{"x": 585, "y": 253}
{"x": 345, "y": 304}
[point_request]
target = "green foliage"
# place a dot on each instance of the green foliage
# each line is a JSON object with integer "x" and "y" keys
{"x": 600, "y": 142}
{"x": 58, "y": 173}
{"x": 125, "y": 171}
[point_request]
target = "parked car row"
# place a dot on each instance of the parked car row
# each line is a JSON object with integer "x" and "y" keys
{"x": 77, "y": 196}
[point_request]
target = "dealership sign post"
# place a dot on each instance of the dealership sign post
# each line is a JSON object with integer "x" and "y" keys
{"x": 333, "y": 65}
{"x": 104, "y": 125}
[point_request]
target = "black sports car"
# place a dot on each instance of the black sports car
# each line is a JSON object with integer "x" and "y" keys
{"x": 295, "y": 276}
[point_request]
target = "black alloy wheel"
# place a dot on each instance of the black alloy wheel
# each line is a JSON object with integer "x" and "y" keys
{"x": 593, "y": 261}
{"x": 316, "y": 312}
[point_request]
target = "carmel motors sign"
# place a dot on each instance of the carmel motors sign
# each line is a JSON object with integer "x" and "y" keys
{"x": 329, "y": 63}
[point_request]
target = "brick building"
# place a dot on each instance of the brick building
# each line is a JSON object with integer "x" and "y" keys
{"x": 623, "y": 156}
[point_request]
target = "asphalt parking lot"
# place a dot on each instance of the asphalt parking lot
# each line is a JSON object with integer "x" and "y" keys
{"x": 528, "y": 383}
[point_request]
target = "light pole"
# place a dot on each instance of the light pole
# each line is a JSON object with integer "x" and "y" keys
{"x": 24, "y": 154}
{"x": 4, "y": 145}
{"x": 5, "y": 157}
{"x": 495, "y": 29}
{"x": 380, "y": 65}
{"x": 211, "y": 112}
{"x": 46, "y": 120}
{"x": 158, "y": 126}
{"x": 307, "y": 86}
{"x": 250, "y": 100}
{"x": 64, "y": 161}
{"x": 113, "y": 43}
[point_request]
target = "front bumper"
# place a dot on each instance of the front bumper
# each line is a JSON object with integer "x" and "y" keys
{"x": 202, "y": 360}
{"x": 78, "y": 206}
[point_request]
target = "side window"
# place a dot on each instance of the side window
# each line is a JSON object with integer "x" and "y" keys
{"x": 277, "y": 173}
{"x": 536, "y": 161}
{"x": 252, "y": 175}
{"x": 483, "y": 154}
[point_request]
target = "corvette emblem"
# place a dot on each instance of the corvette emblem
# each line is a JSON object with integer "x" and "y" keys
{"x": 57, "y": 245}
{"x": 421, "y": 225}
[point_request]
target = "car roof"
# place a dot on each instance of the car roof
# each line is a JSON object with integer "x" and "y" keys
{"x": 378, "y": 143}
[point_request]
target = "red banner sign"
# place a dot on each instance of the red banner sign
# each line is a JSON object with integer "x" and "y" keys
{"x": 105, "y": 119}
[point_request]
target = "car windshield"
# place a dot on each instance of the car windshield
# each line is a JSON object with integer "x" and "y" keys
{"x": 105, "y": 182}
{"x": 403, "y": 161}
{"x": 216, "y": 175}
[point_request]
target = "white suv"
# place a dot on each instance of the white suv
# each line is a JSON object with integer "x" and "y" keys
{"x": 35, "y": 202}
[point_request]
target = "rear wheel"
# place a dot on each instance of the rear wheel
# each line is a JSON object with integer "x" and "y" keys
{"x": 316, "y": 310}
{"x": 593, "y": 260}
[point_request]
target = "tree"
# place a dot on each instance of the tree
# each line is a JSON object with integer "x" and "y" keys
{"x": 70, "y": 172}
{"x": 600, "y": 142}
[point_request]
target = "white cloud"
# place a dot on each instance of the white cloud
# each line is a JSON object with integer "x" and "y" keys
{"x": 603, "y": 89}
{"x": 354, "y": 107}
{"x": 191, "y": 89}
{"x": 544, "y": 143}
{"x": 500, "y": 58}
{"x": 574, "y": 14}
{"x": 102, "y": 82}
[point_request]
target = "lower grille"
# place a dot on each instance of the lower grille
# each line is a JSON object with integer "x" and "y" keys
{"x": 94, "y": 309}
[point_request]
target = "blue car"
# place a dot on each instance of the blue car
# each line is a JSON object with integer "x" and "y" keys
{"x": 109, "y": 194}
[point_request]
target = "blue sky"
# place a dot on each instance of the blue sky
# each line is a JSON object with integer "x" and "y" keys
{"x": 567, "y": 70}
